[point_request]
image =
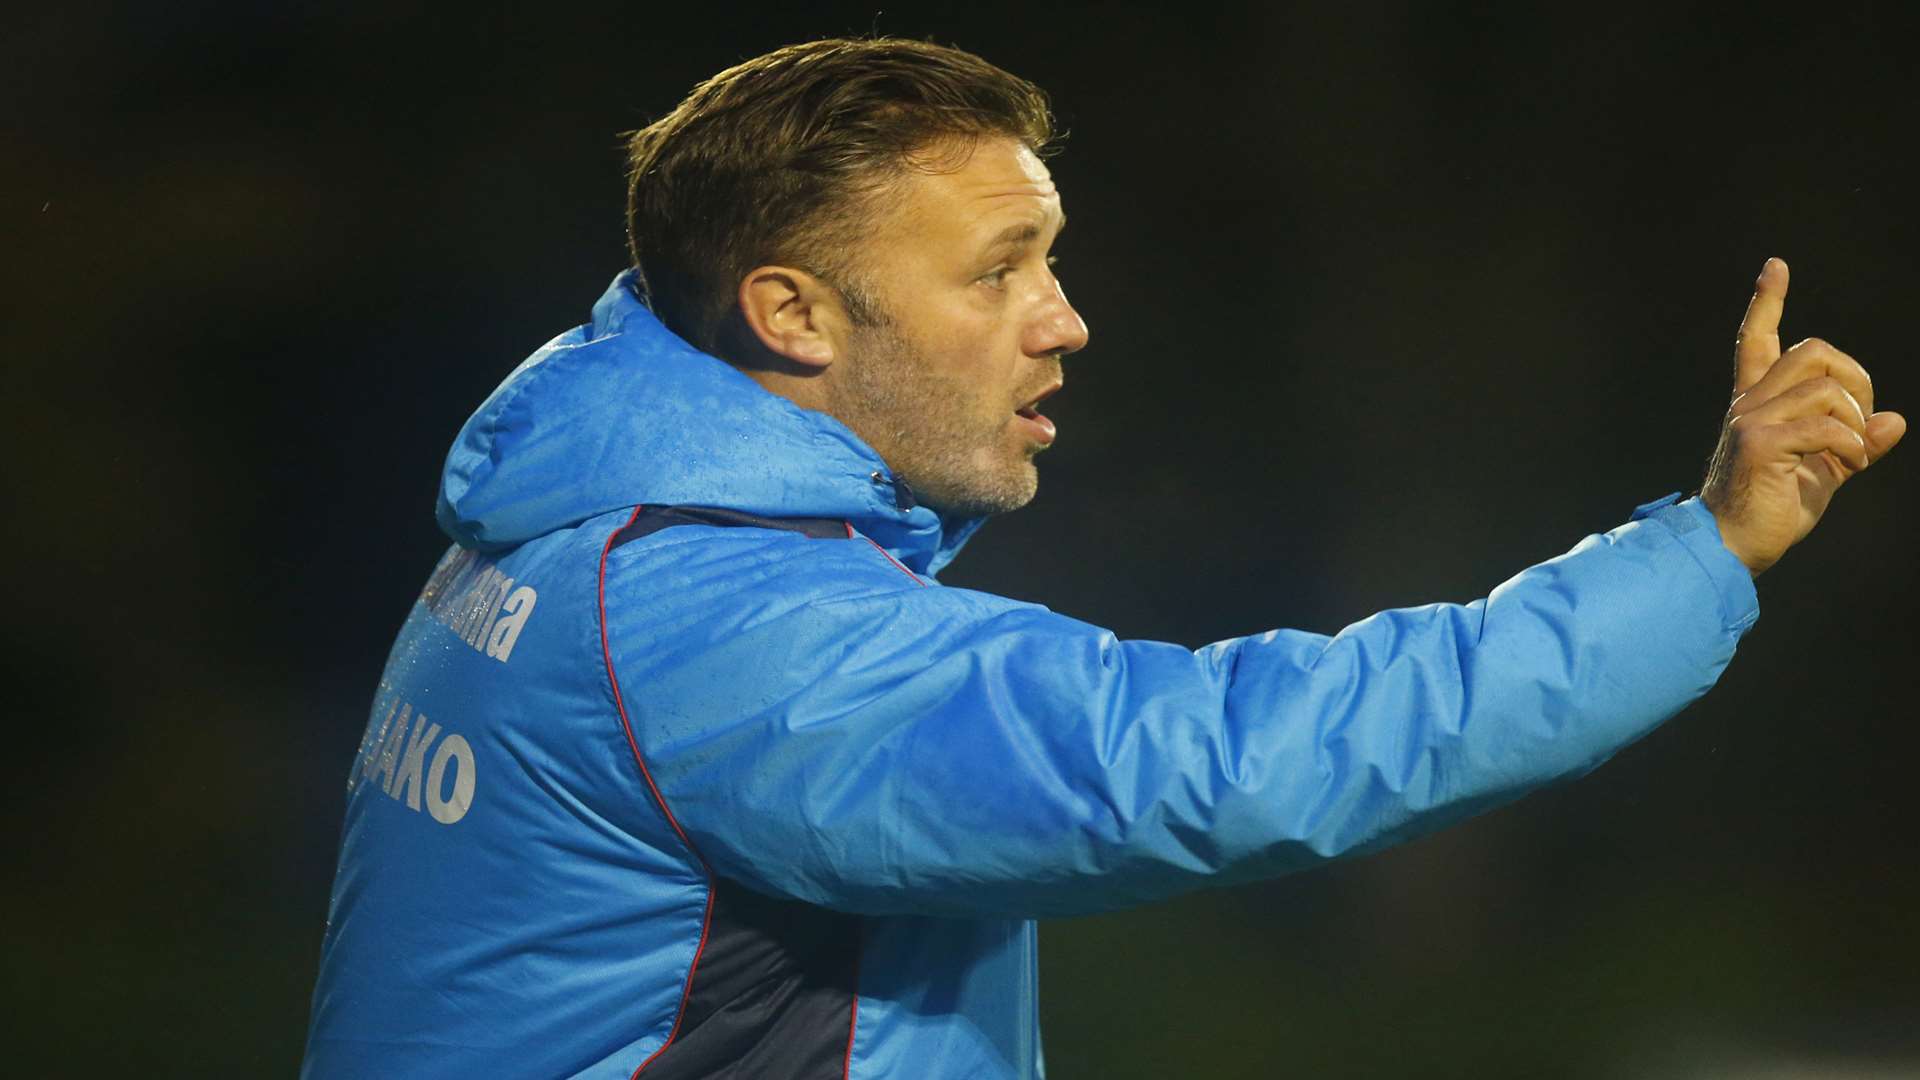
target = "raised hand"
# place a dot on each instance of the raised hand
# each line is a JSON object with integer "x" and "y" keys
{"x": 1801, "y": 423}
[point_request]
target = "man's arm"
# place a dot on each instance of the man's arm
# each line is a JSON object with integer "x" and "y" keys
{"x": 843, "y": 735}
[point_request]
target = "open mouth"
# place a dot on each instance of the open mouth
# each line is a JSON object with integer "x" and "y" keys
{"x": 1040, "y": 428}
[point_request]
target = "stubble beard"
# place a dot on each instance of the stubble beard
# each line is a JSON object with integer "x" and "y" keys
{"x": 923, "y": 424}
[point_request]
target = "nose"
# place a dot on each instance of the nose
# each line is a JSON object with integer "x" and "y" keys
{"x": 1057, "y": 329}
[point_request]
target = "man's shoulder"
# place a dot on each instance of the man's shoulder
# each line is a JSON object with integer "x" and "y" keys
{"x": 711, "y": 556}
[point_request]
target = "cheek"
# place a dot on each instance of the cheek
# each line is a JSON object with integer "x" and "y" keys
{"x": 976, "y": 356}
{"x": 966, "y": 346}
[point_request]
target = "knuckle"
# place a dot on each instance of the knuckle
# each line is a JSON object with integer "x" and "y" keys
{"x": 1842, "y": 434}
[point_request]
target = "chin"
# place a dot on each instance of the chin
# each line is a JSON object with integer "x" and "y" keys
{"x": 1022, "y": 491}
{"x": 987, "y": 492}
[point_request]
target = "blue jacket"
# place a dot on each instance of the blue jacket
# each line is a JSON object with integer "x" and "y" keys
{"x": 683, "y": 760}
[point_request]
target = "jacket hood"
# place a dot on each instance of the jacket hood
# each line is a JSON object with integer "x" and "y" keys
{"x": 622, "y": 411}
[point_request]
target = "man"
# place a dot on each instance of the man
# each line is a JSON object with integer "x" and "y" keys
{"x": 684, "y": 765}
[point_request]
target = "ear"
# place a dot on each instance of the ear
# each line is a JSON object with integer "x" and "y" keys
{"x": 794, "y": 315}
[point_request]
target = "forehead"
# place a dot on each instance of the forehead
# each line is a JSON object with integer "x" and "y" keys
{"x": 1000, "y": 182}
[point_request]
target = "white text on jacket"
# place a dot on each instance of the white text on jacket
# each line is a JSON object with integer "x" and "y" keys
{"x": 470, "y": 596}
{"x": 397, "y": 761}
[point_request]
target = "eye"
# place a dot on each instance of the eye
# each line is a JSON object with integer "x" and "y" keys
{"x": 997, "y": 277}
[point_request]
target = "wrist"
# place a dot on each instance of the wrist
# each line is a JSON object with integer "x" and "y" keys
{"x": 1729, "y": 538}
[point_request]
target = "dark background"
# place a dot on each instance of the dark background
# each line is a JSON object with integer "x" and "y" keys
{"x": 1386, "y": 305}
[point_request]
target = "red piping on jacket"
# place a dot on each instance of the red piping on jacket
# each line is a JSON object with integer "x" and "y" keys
{"x": 853, "y": 1012}
{"x": 890, "y": 558}
{"x": 706, "y": 919}
{"x": 853, "y": 1015}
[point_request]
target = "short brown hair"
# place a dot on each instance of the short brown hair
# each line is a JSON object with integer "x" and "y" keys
{"x": 782, "y": 158}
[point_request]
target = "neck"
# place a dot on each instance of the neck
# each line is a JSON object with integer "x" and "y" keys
{"x": 809, "y": 391}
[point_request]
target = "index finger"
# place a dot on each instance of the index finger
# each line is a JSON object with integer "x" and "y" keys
{"x": 1758, "y": 345}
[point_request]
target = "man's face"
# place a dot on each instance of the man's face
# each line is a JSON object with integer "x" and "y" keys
{"x": 972, "y": 327}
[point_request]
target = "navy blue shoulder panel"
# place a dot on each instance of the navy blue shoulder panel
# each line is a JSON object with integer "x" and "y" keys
{"x": 772, "y": 995}
{"x": 651, "y": 519}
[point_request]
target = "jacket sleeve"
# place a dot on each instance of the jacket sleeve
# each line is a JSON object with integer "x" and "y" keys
{"x": 873, "y": 745}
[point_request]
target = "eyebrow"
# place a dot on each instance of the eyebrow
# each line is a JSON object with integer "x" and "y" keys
{"x": 1021, "y": 235}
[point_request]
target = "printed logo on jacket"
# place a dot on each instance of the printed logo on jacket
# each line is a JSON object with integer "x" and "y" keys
{"x": 397, "y": 761}
{"x": 470, "y": 596}
{"x": 486, "y": 610}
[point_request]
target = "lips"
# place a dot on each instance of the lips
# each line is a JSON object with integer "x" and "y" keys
{"x": 1039, "y": 428}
